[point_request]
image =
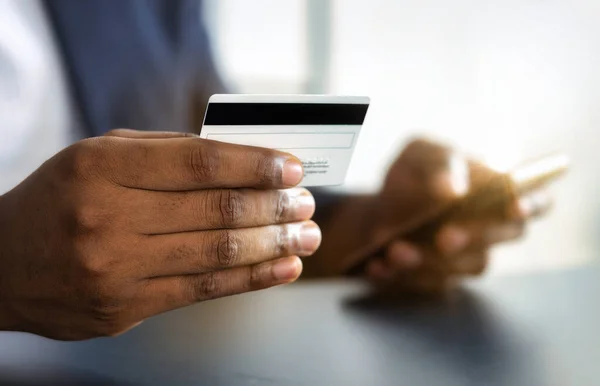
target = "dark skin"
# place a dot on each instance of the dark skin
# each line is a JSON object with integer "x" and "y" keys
{"x": 134, "y": 224}
{"x": 418, "y": 186}
{"x": 116, "y": 229}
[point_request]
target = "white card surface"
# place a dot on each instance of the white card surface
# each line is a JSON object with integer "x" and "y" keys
{"x": 321, "y": 130}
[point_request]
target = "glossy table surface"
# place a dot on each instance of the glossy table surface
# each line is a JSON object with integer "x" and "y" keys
{"x": 528, "y": 330}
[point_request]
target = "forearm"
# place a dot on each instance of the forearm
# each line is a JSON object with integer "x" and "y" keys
{"x": 346, "y": 228}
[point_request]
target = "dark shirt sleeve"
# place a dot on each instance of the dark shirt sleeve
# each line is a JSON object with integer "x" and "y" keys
{"x": 143, "y": 64}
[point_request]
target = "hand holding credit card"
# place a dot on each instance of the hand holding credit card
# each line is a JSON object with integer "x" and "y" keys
{"x": 320, "y": 130}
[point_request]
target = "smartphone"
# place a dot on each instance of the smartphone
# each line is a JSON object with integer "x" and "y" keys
{"x": 490, "y": 199}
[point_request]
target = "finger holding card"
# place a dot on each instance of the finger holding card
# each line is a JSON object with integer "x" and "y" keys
{"x": 320, "y": 130}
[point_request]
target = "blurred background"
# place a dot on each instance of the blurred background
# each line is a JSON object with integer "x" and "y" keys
{"x": 505, "y": 80}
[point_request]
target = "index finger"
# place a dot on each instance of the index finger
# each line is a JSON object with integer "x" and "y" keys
{"x": 177, "y": 164}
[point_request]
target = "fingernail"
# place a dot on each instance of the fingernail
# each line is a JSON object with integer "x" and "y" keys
{"x": 302, "y": 202}
{"x": 309, "y": 238}
{"x": 292, "y": 172}
{"x": 454, "y": 239}
{"x": 287, "y": 269}
{"x": 525, "y": 207}
{"x": 405, "y": 255}
{"x": 533, "y": 204}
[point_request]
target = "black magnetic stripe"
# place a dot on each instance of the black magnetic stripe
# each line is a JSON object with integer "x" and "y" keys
{"x": 243, "y": 114}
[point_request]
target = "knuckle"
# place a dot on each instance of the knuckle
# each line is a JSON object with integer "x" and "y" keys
{"x": 113, "y": 133}
{"x": 231, "y": 207}
{"x": 119, "y": 132}
{"x": 203, "y": 163}
{"x": 284, "y": 238}
{"x": 88, "y": 218}
{"x": 268, "y": 173}
{"x": 417, "y": 143}
{"x": 420, "y": 145}
{"x": 206, "y": 286}
{"x": 106, "y": 311}
{"x": 227, "y": 249}
{"x": 282, "y": 207}
{"x": 427, "y": 157}
{"x": 257, "y": 279}
{"x": 109, "y": 325}
{"x": 83, "y": 157}
{"x": 89, "y": 158}
{"x": 94, "y": 269}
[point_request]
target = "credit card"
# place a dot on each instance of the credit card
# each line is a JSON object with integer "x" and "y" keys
{"x": 321, "y": 130}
